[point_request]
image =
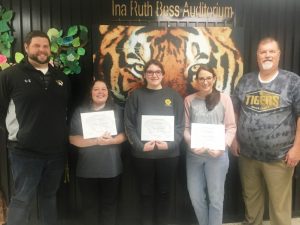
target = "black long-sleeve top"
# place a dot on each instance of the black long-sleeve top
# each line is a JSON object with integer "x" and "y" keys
{"x": 162, "y": 102}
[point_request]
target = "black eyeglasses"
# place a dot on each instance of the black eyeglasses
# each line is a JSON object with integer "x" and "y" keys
{"x": 203, "y": 79}
{"x": 151, "y": 72}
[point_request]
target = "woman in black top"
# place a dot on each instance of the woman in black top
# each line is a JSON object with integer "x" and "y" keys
{"x": 155, "y": 160}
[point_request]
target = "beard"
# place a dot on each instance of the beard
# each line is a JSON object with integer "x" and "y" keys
{"x": 267, "y": 65}
{"x": 36, "y": 59}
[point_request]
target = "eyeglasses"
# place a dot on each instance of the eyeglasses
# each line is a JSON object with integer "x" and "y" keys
{"x": 151, "y": 73}
{"x": 203, "y": 79}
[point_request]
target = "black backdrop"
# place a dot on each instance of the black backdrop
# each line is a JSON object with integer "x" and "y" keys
{"x": 279, "y": 18}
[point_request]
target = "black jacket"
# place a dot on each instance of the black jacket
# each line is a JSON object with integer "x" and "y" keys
{"x": 34, "y": 107}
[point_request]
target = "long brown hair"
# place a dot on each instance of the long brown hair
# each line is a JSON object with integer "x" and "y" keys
{"x": 212, "y": 99}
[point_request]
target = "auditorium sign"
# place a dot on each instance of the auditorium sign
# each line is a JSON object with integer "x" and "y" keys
{"x": 206, "y": 11}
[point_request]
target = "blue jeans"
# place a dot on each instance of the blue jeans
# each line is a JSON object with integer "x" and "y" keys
{"x": 205, "y": 179}
{"x": 31, "y": 175}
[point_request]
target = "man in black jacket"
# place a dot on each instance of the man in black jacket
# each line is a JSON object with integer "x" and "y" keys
{"x": 34, "y": 98}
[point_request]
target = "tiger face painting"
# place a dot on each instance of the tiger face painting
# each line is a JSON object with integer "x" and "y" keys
{"x": 124, "y": 50}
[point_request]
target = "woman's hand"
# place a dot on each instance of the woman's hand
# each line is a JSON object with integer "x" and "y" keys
{"x": 149, "y": 146}
{"x": 105, "y": 139}
{"x": 161, "y": 145}
{"x": 211, "y": 152}
{"x": 215, "y": 153}
{"x": 199, "y": 151}
{"x": 235, "y": 147}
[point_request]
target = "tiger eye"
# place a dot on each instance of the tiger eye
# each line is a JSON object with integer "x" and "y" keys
{"x": 139, "y": 67}
{"x": 195, "y": 68}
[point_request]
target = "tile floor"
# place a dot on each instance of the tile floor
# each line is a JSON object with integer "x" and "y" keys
{"x": 295, "y": 221}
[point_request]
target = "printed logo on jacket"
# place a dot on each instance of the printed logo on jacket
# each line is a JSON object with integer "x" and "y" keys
{"x": 262, "y": 101}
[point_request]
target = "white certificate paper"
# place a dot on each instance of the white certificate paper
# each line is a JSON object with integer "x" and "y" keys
{"x": 159, "y": 128}
{"x": 210, "y": 136}
{"x": 95, "y": 124}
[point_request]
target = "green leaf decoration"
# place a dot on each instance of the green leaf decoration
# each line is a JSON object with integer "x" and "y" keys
{"x": 67, "y": 49}
{"x": 67, "y": 70}
{"x": 19, "y": 57}
{"x": 10, "y": 39}
{"x": 83, "y": 28}
{"x": 6, "y": 38}
{"x": 53, "y": 39}
{"x": 3, "y": 26}
{"x": 63, "y": 58}
{"x": 76, "y": 42}
{"x": 3, "y": 66}
{"x": 71, "y": 57}
{"x": 54, "y": 48}
{"x": 76, "y": 69}
{"x": 84, "y": 36}
{"x": 81, "y": 51}
{"x": 7, "y": 15}
{"x": 60, "y": 41}
{"x": 53, "y": 33}
{"x": 67, "y": 40}
{"x": 72, "y": 30}
{"x": 6, "y": 52}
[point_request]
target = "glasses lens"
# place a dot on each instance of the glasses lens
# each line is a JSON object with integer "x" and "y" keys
{"x": 151, "y": 73}
{"x": 203, "y": 79}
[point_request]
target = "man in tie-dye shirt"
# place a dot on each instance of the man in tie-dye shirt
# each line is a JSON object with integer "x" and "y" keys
{"x": 267, "y": 105}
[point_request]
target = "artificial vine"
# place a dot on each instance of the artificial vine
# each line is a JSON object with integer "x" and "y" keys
{"x": 6, "y": 38}
{"x": 66, "y": 49}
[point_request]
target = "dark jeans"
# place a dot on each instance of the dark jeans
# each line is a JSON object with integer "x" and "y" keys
{"x": 31, "y": 175}
{"x": 99, "y": 200}
{"x": 155, "y": 179}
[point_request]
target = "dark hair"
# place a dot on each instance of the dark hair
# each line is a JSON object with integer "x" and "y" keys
{"x": 154, "y": 62}
{"x": 35, "y": 33}
{"x": 212, "y": 99}
{"x": 266, "y": 40}
{"x": 109, "y": 102}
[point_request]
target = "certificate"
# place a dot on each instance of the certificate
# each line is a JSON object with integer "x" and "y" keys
{"x": 159, "y": 128}
{"x": 210, "y": 136}
{"x": 95, "y": 124}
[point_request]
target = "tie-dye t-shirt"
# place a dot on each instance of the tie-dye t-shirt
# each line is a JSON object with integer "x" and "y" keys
{"x": 267, "y": 115}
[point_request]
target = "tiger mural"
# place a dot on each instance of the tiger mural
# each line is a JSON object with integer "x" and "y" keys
{"x": 124, "y": 50}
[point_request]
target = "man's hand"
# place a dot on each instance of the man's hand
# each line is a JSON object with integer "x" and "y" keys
{"x": 292, "y": 157}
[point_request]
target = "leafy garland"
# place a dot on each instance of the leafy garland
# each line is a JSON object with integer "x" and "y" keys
{"x": 6, "y": 39}
{"x": 66, "y": 50}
